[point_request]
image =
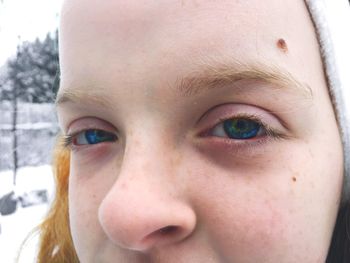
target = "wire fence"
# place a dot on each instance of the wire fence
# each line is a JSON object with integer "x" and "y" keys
{"x": 36, "y": 130}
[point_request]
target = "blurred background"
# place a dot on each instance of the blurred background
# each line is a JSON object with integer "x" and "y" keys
{"x": 29, "y": 79}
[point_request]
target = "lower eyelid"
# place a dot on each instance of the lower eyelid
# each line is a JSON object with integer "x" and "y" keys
{"x": 226, "y": 148}
{"x": 251, "y": 146}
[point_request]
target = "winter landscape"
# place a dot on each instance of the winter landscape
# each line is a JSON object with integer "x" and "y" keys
{"x": 29, "y": 78}
{"x": 33, "y": 191}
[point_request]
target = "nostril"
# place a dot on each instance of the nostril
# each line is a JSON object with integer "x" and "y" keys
{"x": 163, "y": 236}
{"x": 168, "y": 230}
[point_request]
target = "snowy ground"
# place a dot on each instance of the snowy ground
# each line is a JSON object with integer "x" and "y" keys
{"x": 17, "y": 226}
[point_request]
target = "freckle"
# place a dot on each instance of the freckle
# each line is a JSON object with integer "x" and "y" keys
{"x": 282, "y": 44}
{"x": 294, "y": 179}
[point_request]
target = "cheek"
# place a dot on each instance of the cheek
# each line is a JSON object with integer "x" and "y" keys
{"x": 82, "y": 217}
{"x": 271, "y": 204}
{"x": 86, "y": 192}
{"x": 243, "y": 224}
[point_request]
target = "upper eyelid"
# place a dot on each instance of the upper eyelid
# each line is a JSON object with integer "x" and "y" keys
{"x": 90, "y": 123}
{"x": 76, "y": 133}
{"x": 214, "y": 109}
{"x": 250, "y": 117}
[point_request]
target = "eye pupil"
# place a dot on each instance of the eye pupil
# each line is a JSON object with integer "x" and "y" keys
{"x": 241, "y": 125}
{"x": 241, "y": 128}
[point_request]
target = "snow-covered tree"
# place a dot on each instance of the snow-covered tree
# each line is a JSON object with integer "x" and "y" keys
{"x": 32, "y": 75}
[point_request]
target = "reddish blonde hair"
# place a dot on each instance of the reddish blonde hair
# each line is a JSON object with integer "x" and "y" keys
{"x": 56, "y": 244}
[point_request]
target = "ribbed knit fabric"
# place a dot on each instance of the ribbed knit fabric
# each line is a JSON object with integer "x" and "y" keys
{"x": 332, "y": 21}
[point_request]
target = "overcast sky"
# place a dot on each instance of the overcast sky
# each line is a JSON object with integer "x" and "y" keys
{"x": 25, "y": 18}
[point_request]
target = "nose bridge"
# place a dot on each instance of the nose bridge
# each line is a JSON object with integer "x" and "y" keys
{"x": 148, "y": 158}
{"x": 146, "y": 171}
{"x": 145, "y": 207}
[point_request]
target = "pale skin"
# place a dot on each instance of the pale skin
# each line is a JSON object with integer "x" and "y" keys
{"x": 173, "y": 187}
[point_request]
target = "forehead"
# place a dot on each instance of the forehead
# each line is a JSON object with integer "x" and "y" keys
{"x": 141, "y": 37}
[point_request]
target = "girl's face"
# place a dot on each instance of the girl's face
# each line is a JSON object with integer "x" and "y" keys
{"x": 201, "y": 131}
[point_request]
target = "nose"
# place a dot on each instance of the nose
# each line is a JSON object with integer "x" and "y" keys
{"x": 144, "y": 210}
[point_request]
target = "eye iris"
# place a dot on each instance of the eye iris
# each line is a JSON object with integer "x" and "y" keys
{"x": 97, "y": 136}
{"x": 241, "y": 128}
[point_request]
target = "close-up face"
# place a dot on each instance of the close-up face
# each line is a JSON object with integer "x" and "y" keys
{"x": 200, "y": 131}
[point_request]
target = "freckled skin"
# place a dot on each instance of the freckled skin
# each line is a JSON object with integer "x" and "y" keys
{"x": 163, "y": 194}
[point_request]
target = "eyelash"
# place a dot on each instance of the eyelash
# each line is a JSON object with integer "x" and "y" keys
{"x": 269, "y": 132}
{"x": 68, "y": 140}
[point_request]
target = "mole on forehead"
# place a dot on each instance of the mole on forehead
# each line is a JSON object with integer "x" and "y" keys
{"x": 282, "y": 45}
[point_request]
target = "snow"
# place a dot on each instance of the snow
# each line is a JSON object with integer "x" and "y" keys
{"x": 16, "y": 227}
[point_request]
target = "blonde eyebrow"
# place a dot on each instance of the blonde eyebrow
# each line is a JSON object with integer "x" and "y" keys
{"x": 220, "y": 74}
{"x": 80, "y": 96}
{"x": 208, "y": 76}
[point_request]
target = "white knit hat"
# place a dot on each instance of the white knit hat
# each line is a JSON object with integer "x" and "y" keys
{"x": 332, "y": 21}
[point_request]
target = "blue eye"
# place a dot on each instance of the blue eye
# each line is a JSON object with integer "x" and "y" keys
{"x": 94, "y": 137}
{"x": 241, "y": 128}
